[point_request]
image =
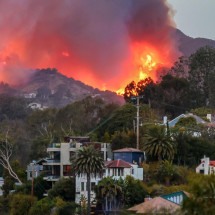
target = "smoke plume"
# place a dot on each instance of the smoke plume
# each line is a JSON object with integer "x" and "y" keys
{"x": 89, "y": 40}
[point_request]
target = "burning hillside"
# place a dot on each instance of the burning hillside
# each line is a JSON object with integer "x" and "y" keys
{"x": 106, "y": 44}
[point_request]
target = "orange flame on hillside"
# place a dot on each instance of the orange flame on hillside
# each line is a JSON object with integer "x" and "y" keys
{"x": 146, "y": 60}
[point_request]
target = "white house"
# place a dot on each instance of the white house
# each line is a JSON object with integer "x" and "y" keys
{"x": 206, "y": 166}
{"x": 113, "y": 168}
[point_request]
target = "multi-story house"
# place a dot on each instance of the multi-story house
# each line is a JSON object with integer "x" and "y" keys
{"x": 58, "y": 164}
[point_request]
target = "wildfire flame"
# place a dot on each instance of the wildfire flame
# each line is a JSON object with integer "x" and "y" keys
{"x": 146, "y": 65}
{"x": 145, "y": 60}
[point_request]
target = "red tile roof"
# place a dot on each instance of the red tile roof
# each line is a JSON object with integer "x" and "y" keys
{"x": 212, "y": 163}
{"x": 118, "y": 164}
{"x": 127, "y": 150}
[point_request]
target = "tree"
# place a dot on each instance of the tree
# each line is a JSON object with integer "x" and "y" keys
{"x": 42, "y": 206}
{"x": 6, "y": 151}
{"x": 158, "y": 143}
{"x": 20, "y": 204}
{"x": 108, "y": 191}
{"x": 147, "y": 89}
{"x": 166, "y": 171}
{"x": 130, "y": 91}
{"x": 64, "y": 188}
{"x": 174, "y": 94}
{"x": 88, "y": 161}
{"x": 201, "y": 200}
{"x": 202, "y": 71}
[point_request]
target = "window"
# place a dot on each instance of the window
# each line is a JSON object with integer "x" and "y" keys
{"x": 132, "y": 171}
{"x": 82, "y": 186}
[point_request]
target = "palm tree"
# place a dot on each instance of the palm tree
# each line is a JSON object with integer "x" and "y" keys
{"x": 109, "y": 191}
{"x": 159, "y": 143}
{"x": 88, "y": 161}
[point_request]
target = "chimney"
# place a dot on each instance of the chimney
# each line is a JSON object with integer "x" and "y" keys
{"x": 147, "y": 198}
{"x": 164, "y": 120}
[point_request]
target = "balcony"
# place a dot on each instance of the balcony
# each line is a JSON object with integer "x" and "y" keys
{"x": 52, "y": 162}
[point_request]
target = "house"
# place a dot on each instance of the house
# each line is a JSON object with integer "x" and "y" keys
{"x": 174, "y": 121}
{"x": 121, "y": 169}
{"x": 113, "y": 168}
{"x": 35, "y": 168}
{"x": 30, "y": 95}
{"x": 157, "y": 205}
{"x": 208, "y": 122}
{"x": 206, "y": 166}
{"x": 168, "y": 203}
{"x": 37, "y": 106}
{"x": 130, "y": 155}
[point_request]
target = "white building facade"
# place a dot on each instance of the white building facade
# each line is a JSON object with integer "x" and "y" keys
{"x": 206, "y": 166}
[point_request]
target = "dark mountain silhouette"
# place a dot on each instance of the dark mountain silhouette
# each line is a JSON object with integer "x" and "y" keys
{"x": 189, "y": 45}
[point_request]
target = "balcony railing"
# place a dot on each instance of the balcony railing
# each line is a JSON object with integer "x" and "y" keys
{"x": 50, "y": 161}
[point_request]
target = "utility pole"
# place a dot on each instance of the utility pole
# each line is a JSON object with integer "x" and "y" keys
{"x": 32, "y": 182}
{"x": 138, "y": 122}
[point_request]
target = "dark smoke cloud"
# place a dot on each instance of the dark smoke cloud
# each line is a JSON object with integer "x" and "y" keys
{"x": 87, "y": 39}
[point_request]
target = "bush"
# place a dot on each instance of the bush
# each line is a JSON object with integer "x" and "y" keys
{"x": 20, "y": 204}
{"x": 42, "y": 207}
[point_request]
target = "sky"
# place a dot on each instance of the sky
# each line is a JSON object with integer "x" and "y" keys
{"x": 195, "y": 18}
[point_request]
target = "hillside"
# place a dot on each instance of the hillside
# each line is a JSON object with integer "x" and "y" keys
{"x": 188, "y": 45}
{"x": 52, "y": 89}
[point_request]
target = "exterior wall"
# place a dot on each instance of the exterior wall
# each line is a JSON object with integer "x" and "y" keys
{"x": 33, "y": 171}
{"x": 64, "y": 157}
{"x": 176, "y": 197}
{"x": 118, "y": 173}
